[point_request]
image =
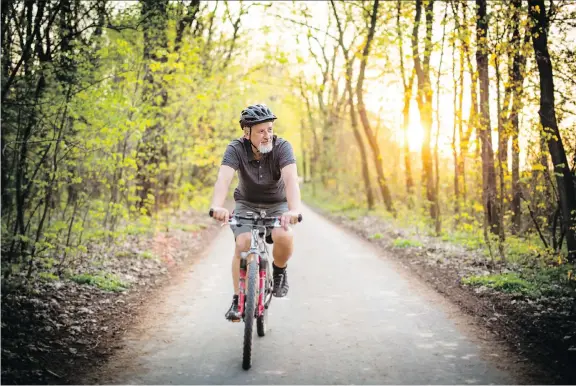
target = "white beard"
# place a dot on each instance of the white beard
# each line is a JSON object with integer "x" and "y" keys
{"x": 265, "y": 148}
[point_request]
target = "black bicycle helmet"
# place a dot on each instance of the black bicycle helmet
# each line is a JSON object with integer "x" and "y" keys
{"x": 252, "y": 115}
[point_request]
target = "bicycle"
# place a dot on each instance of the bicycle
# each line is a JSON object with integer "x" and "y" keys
{"x": 255, "y": 294}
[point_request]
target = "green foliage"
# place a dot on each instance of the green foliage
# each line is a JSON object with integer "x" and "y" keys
{"x": 525, "y": 249}
{"x": 84, "y": 144}
{"x": 124, "y": 253}
{"x": 472, "y": 240}
{"x": 376, "y": 236}
{"x": 553, "y": 279}
{"x": 106, "y": 282}
{"x": 345, "y": 206}
{"x": 534, "y": 282}
{"x": 135, "y": 229}
{"x": 47, "y": 276}
{"x": 148, "y": 255}
{"x": 86, "y": 156}
{"x": 509, "y": 282}
{"x": 405, "y": 243}
{"x": 189, "y": 227}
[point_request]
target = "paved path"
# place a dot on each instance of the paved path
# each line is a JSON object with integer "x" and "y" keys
{"x": 351, "y": 317}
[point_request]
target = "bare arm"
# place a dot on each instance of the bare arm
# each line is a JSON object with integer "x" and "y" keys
{"x": 225, "y": 175}
{"x": 290, "y": 177}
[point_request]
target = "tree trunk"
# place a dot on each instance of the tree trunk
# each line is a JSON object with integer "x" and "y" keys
{"x": 314, "y": 155}
{"x": 358, "y": 136}
{"x": 424, "y": 98}
{"x": 152, "y": 149}
{"x": 566, "y": 190}
{"x": 372, "y": 138}
{"x": 502, "y": 155}
{"x": 354, "y": 121}
{"x": 6, "y": 41}
{"x": 485, "y": 133}
{"x": 456, "y": 131}
{"x": 22, "y": 183}
{"x": 517, "y": 80}
{"x": 185, "y": 23}
{"x": 405, "y": 110}
{"x": 304, "y": 148}
{"x": 438, "y": 222}
{"x": 472, "y": 122}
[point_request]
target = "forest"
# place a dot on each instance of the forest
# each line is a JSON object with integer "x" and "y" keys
{"x": 454, "y": 119}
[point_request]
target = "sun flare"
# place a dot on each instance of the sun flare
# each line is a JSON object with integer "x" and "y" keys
{"x": 415, "y": 135}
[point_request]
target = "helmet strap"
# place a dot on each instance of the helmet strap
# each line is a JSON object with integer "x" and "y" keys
{"x": 250, "y": 139}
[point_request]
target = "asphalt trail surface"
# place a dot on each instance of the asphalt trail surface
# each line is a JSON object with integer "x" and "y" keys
{"x": 352, "y": 316}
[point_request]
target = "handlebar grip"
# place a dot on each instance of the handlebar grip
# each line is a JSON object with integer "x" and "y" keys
{"x": 211, "y": 213}
{"x": 299, "y": 218}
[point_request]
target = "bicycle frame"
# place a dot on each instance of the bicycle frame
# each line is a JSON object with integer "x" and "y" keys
{"x": 258, "y": 250}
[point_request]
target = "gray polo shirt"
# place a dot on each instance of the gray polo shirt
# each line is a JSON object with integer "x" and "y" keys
{"x": 259, "y": 181}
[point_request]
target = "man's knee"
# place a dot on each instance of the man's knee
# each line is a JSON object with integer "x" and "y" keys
{"x": 283, "y": 238}
{"x": 242, "y": 242}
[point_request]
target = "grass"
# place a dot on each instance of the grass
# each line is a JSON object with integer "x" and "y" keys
{"x": 48, "y": 276}
{"x": 405, "y": 243}
{"x": 533, "y": 283}
{"x": 106, "y": 282}
{"x": 143, "y": 225}
{"x": 471, "y": 240}
{"x": 508, "y": 282}
{"x": 147, "y": 255}
{"x": 124, "y": 253}
{"x": 188, "y": 227}
{"x": 137, "y": 229}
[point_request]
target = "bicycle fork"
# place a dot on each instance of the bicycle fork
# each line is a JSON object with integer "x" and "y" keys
{"x": 242, "y": 293}
{"x": 262, "y": 265}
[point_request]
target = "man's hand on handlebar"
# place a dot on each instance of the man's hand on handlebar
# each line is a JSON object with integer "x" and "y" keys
{"x": 286, "y": 219}
{"x": 220, "y": 214}
{"x": 289, "y": 218}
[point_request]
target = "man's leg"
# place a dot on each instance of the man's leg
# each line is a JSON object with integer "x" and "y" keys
{"x": 242, "y": 245}
{"x": 283, "y": 247}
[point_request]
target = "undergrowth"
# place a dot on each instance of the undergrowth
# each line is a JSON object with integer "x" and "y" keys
{"x": 106, "y": 282}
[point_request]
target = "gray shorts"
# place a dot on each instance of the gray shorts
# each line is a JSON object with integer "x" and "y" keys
{"x": 242, "y": 207}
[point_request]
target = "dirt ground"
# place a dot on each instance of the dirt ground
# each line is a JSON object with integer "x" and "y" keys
{"x": 65, "y": 328}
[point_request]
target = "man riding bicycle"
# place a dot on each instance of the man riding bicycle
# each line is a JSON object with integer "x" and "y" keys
{"x": 268, "y": 180}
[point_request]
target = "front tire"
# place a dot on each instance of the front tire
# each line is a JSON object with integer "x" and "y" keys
{"x": 262, "y": 321}
{"x": 249, "y": 312}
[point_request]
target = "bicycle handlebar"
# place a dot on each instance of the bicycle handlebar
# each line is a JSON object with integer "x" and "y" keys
{"x": 211, "y": 213}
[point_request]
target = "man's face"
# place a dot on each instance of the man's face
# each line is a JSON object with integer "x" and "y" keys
{"x": 261, "y": 136}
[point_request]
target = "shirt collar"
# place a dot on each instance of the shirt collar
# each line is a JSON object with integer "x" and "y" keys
{"x": 250, "y": 152}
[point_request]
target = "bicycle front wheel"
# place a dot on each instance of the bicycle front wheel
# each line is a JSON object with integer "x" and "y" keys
{"x": 262, "y": 320}
{"x": 249, "y": 312}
